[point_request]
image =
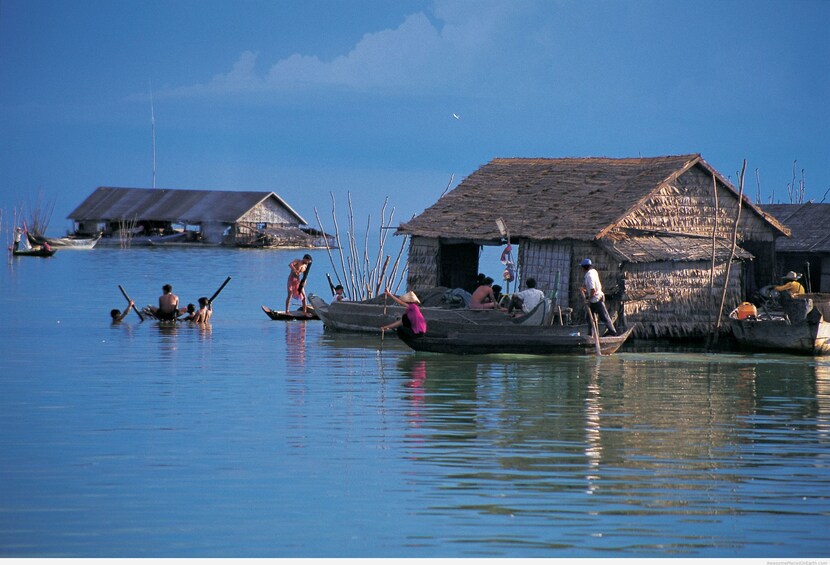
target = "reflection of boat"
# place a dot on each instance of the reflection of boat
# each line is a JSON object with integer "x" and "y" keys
{"x": 369, "y": 316}
{"x": 68, "y": 242}
{"x": 293, "y": 315}
{"x": 801, "y": 326}
{"x": 531, "y": 340}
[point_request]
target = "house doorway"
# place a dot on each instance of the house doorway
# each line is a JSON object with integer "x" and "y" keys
{"x": 459, "y": 265}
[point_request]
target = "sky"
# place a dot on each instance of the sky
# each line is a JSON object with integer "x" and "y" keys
{"x": 321, "y": 101}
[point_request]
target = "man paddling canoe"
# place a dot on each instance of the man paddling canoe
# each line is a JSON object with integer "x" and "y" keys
{"x": 295, "y": 287}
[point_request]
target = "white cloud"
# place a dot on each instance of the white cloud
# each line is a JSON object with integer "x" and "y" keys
{"x": 415, "y": 57}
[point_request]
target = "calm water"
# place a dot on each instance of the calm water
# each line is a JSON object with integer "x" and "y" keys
{"x": 261, "y": 438}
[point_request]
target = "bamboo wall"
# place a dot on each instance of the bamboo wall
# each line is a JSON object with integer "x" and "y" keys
{"x": 423, "y": 263}
{"x": 673, "y": 299}
{"x": 270, "y": 212}
{"x": 542, "y": 260}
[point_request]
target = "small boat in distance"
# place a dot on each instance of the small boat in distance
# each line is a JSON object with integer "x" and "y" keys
{"x": 292, "y": 315}
{"x": 68, "y": 242}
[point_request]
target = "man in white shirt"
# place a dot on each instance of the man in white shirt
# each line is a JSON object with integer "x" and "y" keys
{"x": 529, "y": 298}
{"x": 592, "y": 291}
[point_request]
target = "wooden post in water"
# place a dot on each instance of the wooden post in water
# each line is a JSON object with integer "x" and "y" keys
{"x": 732, "y": 252}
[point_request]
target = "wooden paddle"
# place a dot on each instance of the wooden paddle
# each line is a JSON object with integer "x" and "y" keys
{"x": 594, "y": 328}
{"x": 331, "y": 284}
{"x": 124, "y": 292}
{"x": 215, "y": 294}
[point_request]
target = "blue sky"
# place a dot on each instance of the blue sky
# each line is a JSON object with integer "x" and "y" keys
{"x": 313, "y": 97}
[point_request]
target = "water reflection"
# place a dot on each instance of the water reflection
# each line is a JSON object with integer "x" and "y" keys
{"x": 641, "y": 435}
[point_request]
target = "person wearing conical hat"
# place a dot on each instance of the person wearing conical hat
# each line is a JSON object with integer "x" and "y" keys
{"x": 792, "y": 286}
{"x": 412, "y": 320}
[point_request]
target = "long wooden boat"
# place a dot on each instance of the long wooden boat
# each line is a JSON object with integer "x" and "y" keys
{"x": 68, "y": 242}
{"x": 526, "y": 340}
{"x": 802, "y": 328}
{"x": 369, "y": 316}
{"x": 290, "y": 316}
{"x": 34, "y": 252}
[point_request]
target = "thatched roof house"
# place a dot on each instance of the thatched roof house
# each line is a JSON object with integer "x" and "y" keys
{"x": 647, "y": 223}
{"x": 808, "y": 250}
{"x": 221, "y": 216}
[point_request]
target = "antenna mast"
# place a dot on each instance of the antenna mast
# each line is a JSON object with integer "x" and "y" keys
{"x": 153, "y": 127}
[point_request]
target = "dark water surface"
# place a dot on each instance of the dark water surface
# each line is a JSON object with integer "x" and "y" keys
{"x": 261, "y": 438}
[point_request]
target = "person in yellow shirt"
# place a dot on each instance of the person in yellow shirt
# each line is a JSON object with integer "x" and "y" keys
{"x": 792, "y": 286}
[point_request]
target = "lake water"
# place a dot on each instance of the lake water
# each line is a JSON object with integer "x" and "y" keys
{"x": 258, "y": 438}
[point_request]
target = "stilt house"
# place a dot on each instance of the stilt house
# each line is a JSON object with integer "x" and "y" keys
{"x": 807, "y": 252}
{"x": 214, "y": 216}
{"x": 659, "y": 231}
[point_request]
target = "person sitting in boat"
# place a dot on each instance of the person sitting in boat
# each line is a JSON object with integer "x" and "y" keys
{"x": 298, "y": 267}
{"x": 205, "y": 311}
{"x": 527, "y": 299}
{"x": 117, "y": 315}
{"x": 168, "y": 308}
{"x": 483, "y": 297}
{"x": 338, "y": 294}
{"x": 497, "y": 293}
{"x": 792, "y": 286}
{"x": 412, "y": 320}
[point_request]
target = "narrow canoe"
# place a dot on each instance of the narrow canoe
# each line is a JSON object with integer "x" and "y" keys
{"x": 293, "y": 315}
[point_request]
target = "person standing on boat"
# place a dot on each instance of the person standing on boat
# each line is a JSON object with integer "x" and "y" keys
{"x": 792, "y": 286}
{"x": 592, "y": 292}
{"x": 17, "y": 236}
{"x": 298, "y": 267}
{"x": 412, "y": 320}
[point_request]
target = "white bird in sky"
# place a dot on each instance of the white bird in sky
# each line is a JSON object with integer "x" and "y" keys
{"x": 456, "y": 116}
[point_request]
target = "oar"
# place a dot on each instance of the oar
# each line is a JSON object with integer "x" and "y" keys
{"x": 594, "y": 328}
{"x": 215, "y": 294}
{"x": 124, "y": 292}
{"x": 331, "y": 284}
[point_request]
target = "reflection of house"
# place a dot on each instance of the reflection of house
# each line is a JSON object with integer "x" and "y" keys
{"x": 215, "y": 216}
{"x": 646, "y": 223}
{"x": 810, "y": 242}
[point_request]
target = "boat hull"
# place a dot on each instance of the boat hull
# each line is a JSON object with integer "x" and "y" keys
{"x": 290, "y": 316}
{"x": 808, "y": 337}
{"x": 369, "y": 317}
{"x": 542, "y": 340}
{"x": 34, "y": 252}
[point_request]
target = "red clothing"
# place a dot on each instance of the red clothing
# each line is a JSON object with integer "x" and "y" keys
{"x": 417, "y": 323}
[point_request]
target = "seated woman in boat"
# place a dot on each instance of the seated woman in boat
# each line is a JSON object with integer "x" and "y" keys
{"x": 483, "y": 297}
{"x": 412, "y": 320}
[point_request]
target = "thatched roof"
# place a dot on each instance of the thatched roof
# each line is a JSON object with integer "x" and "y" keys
{"x": 172, "y": 205}
{"x": 669, "y": 247}
{"x": 810, "y": 225}
{"x": 553, "y": 199}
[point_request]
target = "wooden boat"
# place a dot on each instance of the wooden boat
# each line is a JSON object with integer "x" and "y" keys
{"x": 526, "y": 340}
{"x": 369, "y": 316}
{"x": 801, "y": 326}
{"x": 68, "y": 242}
{"x": 292, "y": 315}
{"x": 34, "y": 252}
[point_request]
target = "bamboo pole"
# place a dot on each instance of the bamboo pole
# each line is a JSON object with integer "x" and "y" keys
{"x": 734, "y": 244}
{"x": 714, "y": 257}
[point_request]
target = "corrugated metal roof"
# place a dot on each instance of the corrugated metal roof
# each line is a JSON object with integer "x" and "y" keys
{"x": 810, "y": 225}
{"x": 552, "y": 199}
{"x": 172, "y": 205}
